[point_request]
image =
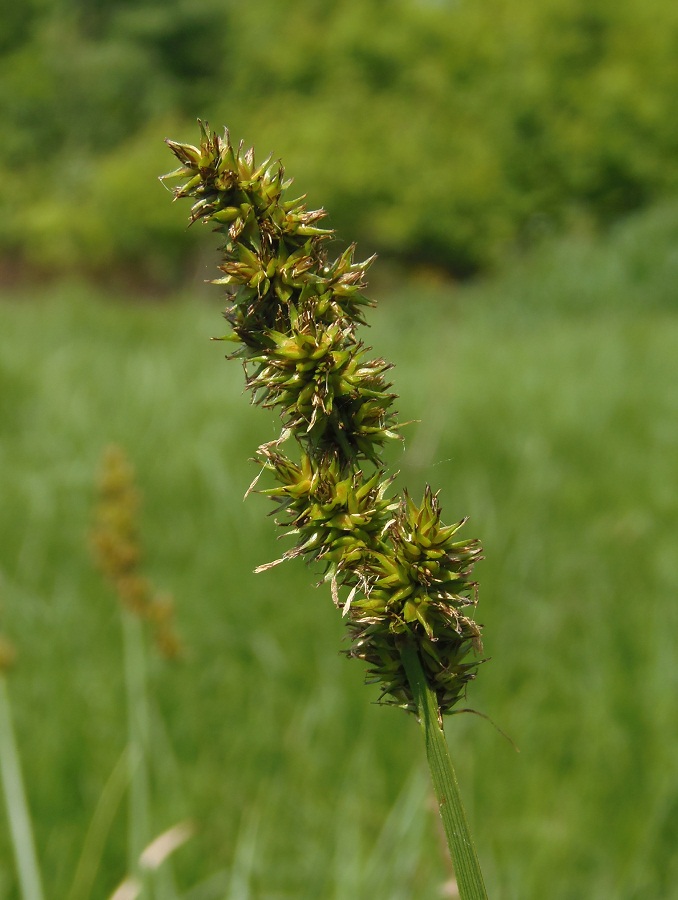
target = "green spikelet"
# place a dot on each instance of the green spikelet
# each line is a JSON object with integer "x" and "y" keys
{"x": 293, "y": 315}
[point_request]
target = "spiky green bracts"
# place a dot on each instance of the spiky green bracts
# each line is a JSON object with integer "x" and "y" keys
{"x": 294, "y": 314}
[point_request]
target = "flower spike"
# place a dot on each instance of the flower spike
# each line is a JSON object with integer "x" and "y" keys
{"x": 294, "y": 315}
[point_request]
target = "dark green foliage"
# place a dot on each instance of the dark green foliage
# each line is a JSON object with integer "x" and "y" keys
{"x": 294, "y": 315}
{"x": 443, "y": 133}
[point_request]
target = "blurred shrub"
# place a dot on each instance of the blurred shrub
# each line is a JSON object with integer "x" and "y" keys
{"x": 441, "y": 132}
{"x": 109, "y": 215}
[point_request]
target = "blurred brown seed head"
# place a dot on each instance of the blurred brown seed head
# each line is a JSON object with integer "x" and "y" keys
{"x": 7, "y": 655}
{"x": 118, "y": 552}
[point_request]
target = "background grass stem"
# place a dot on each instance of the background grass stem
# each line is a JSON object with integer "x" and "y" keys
{"x": 100, "y": 828}
{"x": 139, "y": 831}
{"x": 18, "y": 815}
{"x": 466, "y": 865}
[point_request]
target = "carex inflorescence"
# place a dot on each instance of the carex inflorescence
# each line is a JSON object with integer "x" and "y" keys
{"x": 294, "y": 313}
{"x": 116, "y": 545}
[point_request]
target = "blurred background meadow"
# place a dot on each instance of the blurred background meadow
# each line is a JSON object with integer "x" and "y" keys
{"x": 515, "y": 167}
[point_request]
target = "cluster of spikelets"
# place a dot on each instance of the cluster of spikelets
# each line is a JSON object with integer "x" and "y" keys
{"x": 293, "y": 314}
{"x": 117, "y": 548}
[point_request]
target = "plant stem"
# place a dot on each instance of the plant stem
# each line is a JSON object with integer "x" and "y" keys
{"x": 100, "y": 826}
{"x": 17, "y": 806}
{"x": 464, "y": 857}
{"x": 138, "y": 834}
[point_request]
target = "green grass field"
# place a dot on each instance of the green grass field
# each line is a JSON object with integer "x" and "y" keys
{"x": 547, "y": 408}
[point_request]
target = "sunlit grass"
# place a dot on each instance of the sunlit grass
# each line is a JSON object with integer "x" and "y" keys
{"x": 554, "y": 427}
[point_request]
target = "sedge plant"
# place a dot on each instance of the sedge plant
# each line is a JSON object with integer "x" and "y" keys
{"x": 118, "y": 551}
{"x": 117, "y": 546}
{"x": 401, "y": 579}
